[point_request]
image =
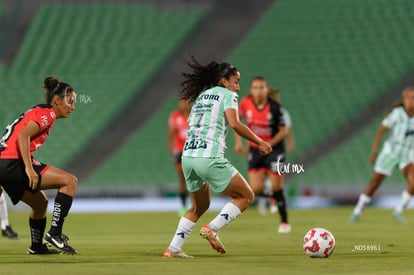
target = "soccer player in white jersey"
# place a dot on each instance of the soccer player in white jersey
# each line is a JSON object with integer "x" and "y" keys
{"x": 213, "y": 89}
{"x": 397, "y": 150}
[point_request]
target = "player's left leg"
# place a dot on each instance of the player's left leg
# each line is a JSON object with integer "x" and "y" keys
{"x": 66, "y": 183}
{"x": 279, "y": 196}
{"x": 6, "y": 229}
{"x": 408, "y": 172}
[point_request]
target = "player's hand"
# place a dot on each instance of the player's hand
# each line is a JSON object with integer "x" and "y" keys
{"x": 373, "y": 158}
{"x": 33, "y": 178}
{"x": 265, "y": 148}
{"x": 238, "y": 147}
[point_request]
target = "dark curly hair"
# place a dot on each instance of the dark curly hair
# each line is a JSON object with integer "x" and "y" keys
{"x": 203, "y": 77}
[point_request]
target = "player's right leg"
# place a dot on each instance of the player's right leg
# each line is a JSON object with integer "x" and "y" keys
{"x": 200, "y": 202}
{"x": 37, "y": 222}
{"x": 66, "y": 183}
{"x": 182, "y": 191}
{"x": 365, "y": 197}
{"x": 243, "y": 197}
{"x": 256, "y": 180}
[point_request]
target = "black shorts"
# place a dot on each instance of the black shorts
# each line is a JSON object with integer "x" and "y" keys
{"x": 14, "y": 180}
{"x": 271, "y": 162}
{"x": 177, "y": 159}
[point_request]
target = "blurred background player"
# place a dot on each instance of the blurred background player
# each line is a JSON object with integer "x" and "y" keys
{"x": 275, "y": 94}
{"x": 177, "y": 131}
{"x": 23, "y": 178}
{"x": 264, "y": 117}
{"x": 398, "y": 149}
{"x": 6, "y": 229}
{"x": 213, "y": 89}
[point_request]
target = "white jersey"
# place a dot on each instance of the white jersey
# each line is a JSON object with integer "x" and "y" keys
{"x": 400, "y": 142}
{"x": 286, "y": 116}
{"x": 207, "y": 125}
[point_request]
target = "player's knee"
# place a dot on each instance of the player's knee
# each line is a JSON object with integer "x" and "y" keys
{"x": 249, "y": 197}
{"x": 41, "y": 205}
{"x": 70, "y": 182}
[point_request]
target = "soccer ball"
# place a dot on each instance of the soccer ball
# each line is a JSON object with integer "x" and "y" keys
{"x": 319, "y": 243}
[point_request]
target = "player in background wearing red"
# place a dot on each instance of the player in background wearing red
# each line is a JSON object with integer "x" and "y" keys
{"x": 177, "y": 131}
{"x": 6, "y": 229}
{"x": 275, "y": 94}
{"x": 265, "y": 118}
{"x": 23, "y": 178}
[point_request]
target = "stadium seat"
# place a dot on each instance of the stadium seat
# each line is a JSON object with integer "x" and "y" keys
{"x": 105, "y": 51}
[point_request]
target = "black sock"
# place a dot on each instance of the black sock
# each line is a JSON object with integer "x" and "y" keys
{"x": 183, "y": 198}
{"x": 37, "y": 230}
{"x": 61, "y": 208}
{"x": 279, "y": 196}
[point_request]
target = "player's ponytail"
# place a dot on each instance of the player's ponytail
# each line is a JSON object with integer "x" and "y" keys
{"x": 54, "y": 86}
{"x": 203, "y": 77}
{"x": 274, "y": 94}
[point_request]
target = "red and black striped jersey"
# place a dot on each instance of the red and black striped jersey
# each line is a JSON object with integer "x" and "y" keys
{"x": 263, "y": 122}
{"x": 43, "y": 115}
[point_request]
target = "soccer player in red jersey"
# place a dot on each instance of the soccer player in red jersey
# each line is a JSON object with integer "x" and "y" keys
{"x": 265, "y": 118}
{"x": 23, "y": 178}
{"x": 177, "y": 131}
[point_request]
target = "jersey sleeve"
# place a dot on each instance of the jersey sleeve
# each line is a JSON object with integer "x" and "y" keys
{"x": 171, "y": 120}
{"x": 278, "y": 115}
{"x": 390, "y": 120}
{"x": 230, "y": 101}
{"x": 288, "y": 119}
{"x": 42, "y": 116}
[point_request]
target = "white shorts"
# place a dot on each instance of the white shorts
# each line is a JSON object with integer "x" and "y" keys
{"x": 386, "y": 162}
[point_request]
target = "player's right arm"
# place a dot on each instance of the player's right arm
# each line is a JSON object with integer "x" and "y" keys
{"x": 233, "y": 120}
{"x": 377, "y": 140}
{"x": 31, "y": 129}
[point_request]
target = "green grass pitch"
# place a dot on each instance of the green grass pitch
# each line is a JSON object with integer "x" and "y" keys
{"x": 132, "y": 243}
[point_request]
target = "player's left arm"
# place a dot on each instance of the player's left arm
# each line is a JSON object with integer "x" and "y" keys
{"x": 283, "y": 129}
{"x": 290, "y": 141}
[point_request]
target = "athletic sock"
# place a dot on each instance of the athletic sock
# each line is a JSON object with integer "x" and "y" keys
{"x": 183, "y": 199}
{"x": 405, "y": 199}
{"x": 279, "y": 196}
{"x": 61, "y": 208}
{"x": 4, "y": 217}
{"x": 184, "y": 229}
{"x": 37, "y": 230}
{"x": 362, "y": 201}
{"x": 229, "y": 212}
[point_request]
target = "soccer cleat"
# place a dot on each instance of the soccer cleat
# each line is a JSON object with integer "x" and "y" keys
{"x": 42, "y": 250}
{"x": 213, "y": 239}
{"x": 354, "y": 218}
{"x": 398, "y": 216}
{"x": 284, "y": 228}
{"x": 180, "y": 254}
{"x": 60, "y": 242}
{"x": 9, "y": 233}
